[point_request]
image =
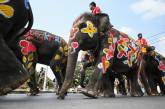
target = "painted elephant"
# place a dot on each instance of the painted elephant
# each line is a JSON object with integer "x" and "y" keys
{"x": 153, "y": 69}
{"x": 89, "y": 60}
{"x": 115, "y": 52}
{"x": 39, "y": 46}
{"x": 14, "y": 15}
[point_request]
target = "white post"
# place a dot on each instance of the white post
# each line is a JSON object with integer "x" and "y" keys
{"x": 45, "y": 80}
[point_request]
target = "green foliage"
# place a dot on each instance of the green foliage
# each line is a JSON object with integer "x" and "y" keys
{"x": 88, "y": 73}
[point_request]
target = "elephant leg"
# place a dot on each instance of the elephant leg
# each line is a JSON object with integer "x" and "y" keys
{"x": 122, "y": 89}
{"x": 153, "y": 85}
{"x": 134, "y": 86}
{"x": 93, "y": 79}
{"x": 108, "y": 84}
{"x": 161, "y": 85}
{"x": 82, "y": 78}
{"x": 29, "y": 62}
{"x": 91, "y": 89}
{"x": 143, "y": 79}
{"x": 59, "y": 71}
{"x": 12, "y": 73}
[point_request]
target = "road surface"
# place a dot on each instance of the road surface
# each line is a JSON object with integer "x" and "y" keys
{"x": 79, "y": 101}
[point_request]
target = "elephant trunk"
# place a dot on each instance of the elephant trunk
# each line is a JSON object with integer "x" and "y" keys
{"x": 71, "y": 64}
{"x": 12, "y": 72}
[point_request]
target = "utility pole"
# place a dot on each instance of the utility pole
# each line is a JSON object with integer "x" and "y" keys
{"x": 45, "y": 80}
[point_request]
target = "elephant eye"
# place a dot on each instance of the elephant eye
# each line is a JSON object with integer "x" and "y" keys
{"x": 82, "y": 25}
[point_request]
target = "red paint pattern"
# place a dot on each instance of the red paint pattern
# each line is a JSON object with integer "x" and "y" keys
{"x": 161, "y": 66}
{"x": 104, "y": 64}
{"x": 27, "y": 47}
{"x": 29, "y": 35}
{"x": 73, "y": 33}
{"x": 74, "y": 45}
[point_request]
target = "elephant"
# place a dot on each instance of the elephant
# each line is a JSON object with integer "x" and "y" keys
{"x": 153, "y": 69}
{"x": 14, "y": 15}
{"x": 89, "y": 60}
{"x": 116, "y": 51}
{"x": 38, "y": 46}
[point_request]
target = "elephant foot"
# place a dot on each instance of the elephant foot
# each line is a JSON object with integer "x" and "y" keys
{"x": 90, "y": 94}
{"x": 108, "y": 94}
{"x": 140, "y": 94}
{"x": 137, "y": 95}
{"x": 33, "y": 92}
{"x": 61, "y": 97}
{"x": 134, "y": 94}
{"x": 8, "y": 86}
{"x": 154, "y": 93}
{"x": 3, "y": 94}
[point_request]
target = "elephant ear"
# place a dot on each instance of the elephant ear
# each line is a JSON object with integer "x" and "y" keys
{"x": 104, "y": 22}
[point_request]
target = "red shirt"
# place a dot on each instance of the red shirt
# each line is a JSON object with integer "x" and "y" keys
{"x": 142, "y": 42}
{"x": 96, "y": 10}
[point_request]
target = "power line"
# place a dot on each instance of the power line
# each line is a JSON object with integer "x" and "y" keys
{"x": 156, "y": 35}
{"x": 160, "y": 36}
{"x": 158, "y": 41}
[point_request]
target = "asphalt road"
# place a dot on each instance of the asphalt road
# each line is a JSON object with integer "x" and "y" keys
{"x": 78, "y": 101}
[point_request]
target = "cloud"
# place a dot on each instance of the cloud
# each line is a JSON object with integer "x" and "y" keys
{"x": 126, "y": 30}
{"x": 149, "y": 9}
{"x": 160, "y": 45}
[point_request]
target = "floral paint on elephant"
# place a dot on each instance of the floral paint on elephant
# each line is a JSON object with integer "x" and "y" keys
{"x": 6, "y": 10}
{"x": 161, "y": 62}
{"x": 161, "y": 66}
{"x": 128, "y": 49}
{"x": 27, "y": 60}
{"x": 41, "y": 36}
{"x": 108, "y": 52}
{"x": 27, "y": 47}
{"x": 73, "y": 33}
{"x": 90, "y": 29}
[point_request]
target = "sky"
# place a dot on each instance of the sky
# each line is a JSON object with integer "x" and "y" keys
{"x": 130, "y": 16}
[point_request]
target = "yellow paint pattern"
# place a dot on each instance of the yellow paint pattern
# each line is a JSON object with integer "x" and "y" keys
{"x": 61, "y": 49}
{"x": 107, "y": 64}
{"x": 66, "y": 48}
{"x": 105, "y": 50}
{"x": 57, "y": 57}
{"x": 143, "y": 49}
{"x": 29, "y": 65}
{"x": 30, "y": 57}
{"x": 24, "y": 60}
{"x": 90, "y": 29}
{"x": 110, "y": 40}
{"x": 4, "y": 1}
{"x": 6, "y": 10}
{"x": 163, "y": 78}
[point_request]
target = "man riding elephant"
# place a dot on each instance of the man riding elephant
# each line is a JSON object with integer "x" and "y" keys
{"x": 14, "y": 15}
{"x": 42, "y": 47}
{"x": 115, "y": 51}
{"x": 95, "y": 9}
